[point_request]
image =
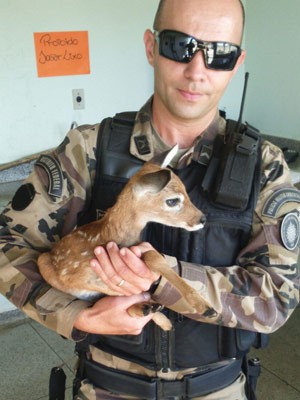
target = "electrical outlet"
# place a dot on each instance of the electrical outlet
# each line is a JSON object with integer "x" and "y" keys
{"x": 78, "y": 99}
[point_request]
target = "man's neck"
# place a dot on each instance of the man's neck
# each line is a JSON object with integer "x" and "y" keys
{"x": 179, "y": 131}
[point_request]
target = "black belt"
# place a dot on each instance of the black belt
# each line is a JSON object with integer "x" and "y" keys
{"x": 155, "y": 388}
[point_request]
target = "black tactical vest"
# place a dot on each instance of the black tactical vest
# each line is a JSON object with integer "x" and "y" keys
{"x": 227, "y": 230}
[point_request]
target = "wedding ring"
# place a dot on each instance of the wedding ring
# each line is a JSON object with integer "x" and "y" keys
{"x": 121, "y": 283}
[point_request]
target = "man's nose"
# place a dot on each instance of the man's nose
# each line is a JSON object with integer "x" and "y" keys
{"x": 196, "y": 68}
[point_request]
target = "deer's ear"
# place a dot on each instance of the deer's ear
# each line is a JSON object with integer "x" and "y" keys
{"x": 153, "y": 182}
{"x": 169, "y": 156}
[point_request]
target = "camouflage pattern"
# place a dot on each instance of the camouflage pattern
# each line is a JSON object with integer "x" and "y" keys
{"x": 259, "y": 293}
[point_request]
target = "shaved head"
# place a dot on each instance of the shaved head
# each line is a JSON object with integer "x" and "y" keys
{"x": 159, "y": 17}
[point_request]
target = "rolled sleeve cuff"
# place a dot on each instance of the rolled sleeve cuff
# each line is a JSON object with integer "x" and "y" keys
{"x": 57, "y": 311}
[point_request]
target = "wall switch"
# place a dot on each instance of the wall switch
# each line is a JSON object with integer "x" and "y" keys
{"x": 78, "y": 99}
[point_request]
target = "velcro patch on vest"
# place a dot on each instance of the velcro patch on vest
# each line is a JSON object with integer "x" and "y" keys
{"x": 53, "y": 169}
{"x": 290, "y": 228}
{"x": 142, "y": 145}
{"x": 99, "y": 213}
{"x": 205, "y": 155}
{"x": 278, "y": 199}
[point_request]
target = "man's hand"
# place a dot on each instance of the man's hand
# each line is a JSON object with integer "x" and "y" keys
{"x": 123, "y": 270}
{"x": 109, "y": 316}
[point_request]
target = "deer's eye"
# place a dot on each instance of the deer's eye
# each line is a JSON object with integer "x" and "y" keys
{"x": 173, "y": 202}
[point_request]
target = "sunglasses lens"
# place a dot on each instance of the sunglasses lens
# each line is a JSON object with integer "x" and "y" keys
{"x": 177, "y": 46}
{"x": 180, "y": 47}
{"x": 223, "y": 56}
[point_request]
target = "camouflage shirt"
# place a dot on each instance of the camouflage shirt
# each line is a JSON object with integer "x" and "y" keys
{"x": 47, "y": 206}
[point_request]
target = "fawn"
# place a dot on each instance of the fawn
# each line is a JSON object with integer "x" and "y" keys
{"x": 153, "y": 194}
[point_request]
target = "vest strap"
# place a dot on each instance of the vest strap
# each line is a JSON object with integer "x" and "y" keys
{"x": 113, "y": 158}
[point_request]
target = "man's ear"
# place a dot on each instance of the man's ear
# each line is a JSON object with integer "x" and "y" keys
{"x": 240, "y": 61}
{"x": 149, "y": 41}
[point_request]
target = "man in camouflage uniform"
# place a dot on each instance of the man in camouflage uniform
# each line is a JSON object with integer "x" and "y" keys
{"x": 257, "y": 293}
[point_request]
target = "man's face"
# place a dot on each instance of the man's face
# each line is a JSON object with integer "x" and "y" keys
{"x": 189, "y": 92}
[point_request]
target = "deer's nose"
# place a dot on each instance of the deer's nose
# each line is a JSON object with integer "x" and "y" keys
{"x": 203, "y": 220}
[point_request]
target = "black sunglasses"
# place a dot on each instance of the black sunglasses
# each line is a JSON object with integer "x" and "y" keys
{"x": 179, "y": 46}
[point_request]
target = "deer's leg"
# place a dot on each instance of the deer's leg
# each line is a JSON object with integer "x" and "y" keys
{"x": 146, "y": 308}
{"x": 195, "y": 301}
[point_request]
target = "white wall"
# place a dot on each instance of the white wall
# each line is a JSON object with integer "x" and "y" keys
{"x": 273, "y": 59}
{"x": 232, "y": 98}
{"x": 37, "y": 112}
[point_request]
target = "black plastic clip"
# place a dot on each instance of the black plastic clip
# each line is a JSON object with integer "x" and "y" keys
{"x": 248, "y": 145}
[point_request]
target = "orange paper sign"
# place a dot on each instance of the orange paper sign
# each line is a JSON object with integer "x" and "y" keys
{"x": 62, "y": 53}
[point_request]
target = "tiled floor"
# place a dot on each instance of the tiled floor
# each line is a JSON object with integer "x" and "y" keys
{"x": 29, "y": 351}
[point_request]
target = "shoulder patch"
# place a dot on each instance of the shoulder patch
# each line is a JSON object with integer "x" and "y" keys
{"x": 205, "y": 155}
{"x": 278, "y": 199}
{"x": 142, "y": 144}
{"x": 99, "y": 213}
{"x": 23, "y": 197}
{"x": 53, "y": 169}
{"x": 290, "y": 230}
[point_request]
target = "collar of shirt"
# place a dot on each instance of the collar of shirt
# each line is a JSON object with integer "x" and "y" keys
{"x": 146, "y": 142}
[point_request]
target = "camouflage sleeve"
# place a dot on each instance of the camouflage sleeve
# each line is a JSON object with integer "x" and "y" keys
{"x": 262, "y": 290}
{"x": 44, "y": 209}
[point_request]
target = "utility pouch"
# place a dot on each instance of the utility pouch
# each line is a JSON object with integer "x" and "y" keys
{"x": 233, "y": 167}
{"x": 57, "y": 384}
{"x": 252, "y": 370}
{"x": 235, "y": 343}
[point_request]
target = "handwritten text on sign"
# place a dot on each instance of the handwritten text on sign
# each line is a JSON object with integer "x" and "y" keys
{"x": 62, "y": 53}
